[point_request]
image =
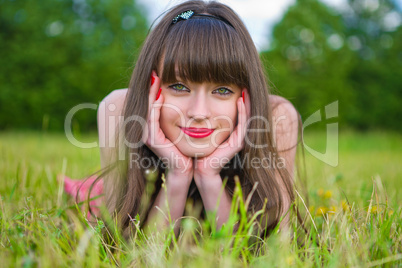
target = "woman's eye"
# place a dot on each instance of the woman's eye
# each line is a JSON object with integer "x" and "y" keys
{"x": 223, "y": 91}
{"x": 178, "y": 87}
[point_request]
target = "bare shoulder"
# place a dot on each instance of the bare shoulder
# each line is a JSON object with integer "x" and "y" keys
{"x": 285, "y": 120}
{"x": 118, "y": 92}
{"x": 113, "y": 103}
{"x": 283, "y": 108}
{"x": 109, "y": 109}
{"x": 116, "y": 97}
{"x": 284, "y": 114}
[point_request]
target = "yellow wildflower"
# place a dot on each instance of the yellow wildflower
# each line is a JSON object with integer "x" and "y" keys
{"x": 320, "y": 211}
{"x": 332, "y": 210}
{"x": 328, "y": 194}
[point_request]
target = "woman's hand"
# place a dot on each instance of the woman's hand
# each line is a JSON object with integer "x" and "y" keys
{"x": 209, "y": 167}
{"x": 179, "y": 165}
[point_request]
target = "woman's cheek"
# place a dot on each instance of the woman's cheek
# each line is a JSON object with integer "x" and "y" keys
{"x": 229, "y": 116}
{"x": 226, "y": 127}
{"x": 168, "y": 118}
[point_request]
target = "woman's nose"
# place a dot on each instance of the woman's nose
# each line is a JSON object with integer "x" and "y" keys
{"x": 199, "y": 108}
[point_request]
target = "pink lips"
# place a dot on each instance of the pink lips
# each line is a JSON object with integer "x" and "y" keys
{"x": 197, "y": 132}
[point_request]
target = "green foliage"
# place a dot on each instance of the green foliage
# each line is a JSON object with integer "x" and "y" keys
{"x": 62, "y": 53}
{"x": 57, "y": 54}
{"x": 319, "y": 56}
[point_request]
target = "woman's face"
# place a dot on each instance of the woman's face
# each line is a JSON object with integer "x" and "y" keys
{"x": 191, "y": 105}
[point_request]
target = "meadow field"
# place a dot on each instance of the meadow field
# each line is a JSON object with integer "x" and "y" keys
{"x": 353, "y": 212}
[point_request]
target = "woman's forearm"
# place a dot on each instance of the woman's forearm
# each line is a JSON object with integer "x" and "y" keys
{"x": 210, "y": 190}
{"x": 176, "y": 195}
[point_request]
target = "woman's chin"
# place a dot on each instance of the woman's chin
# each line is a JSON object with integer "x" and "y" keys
{"x": 190, "y": 151}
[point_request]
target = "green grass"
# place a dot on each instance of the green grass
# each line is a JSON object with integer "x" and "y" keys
{"x": 361, "y": 224}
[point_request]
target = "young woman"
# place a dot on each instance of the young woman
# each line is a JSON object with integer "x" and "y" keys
{"x": 198, "y": 110}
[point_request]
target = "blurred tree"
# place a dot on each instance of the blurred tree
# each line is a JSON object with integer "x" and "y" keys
{"x": 316, "y": 58}
{"x": 57, "y": 54}
{"x": 375, "y": 35}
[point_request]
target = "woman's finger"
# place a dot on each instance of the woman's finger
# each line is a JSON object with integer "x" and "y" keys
{"x": 247, "y": 102}
{"x": 244, "y": 114}
{"x": 241, "y": 126}
{"x": 153, "y": 91}
{"x": 236, "y": 139}
{"x": 155, "y": 132}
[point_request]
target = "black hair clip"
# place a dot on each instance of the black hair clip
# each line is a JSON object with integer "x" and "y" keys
{"x": 183, "y": 16}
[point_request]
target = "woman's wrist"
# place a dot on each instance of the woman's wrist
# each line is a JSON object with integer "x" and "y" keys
{"x": 179, "y": 176}
{"x": 207, "y": 181}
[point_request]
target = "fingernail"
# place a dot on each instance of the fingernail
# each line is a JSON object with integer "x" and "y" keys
{"x": 159, "y": 93}
{"x": 243, "y": 97}
{"x": 152, "y": 80}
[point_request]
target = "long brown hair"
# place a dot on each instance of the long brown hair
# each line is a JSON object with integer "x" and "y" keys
{"x": 202, "y": 48}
